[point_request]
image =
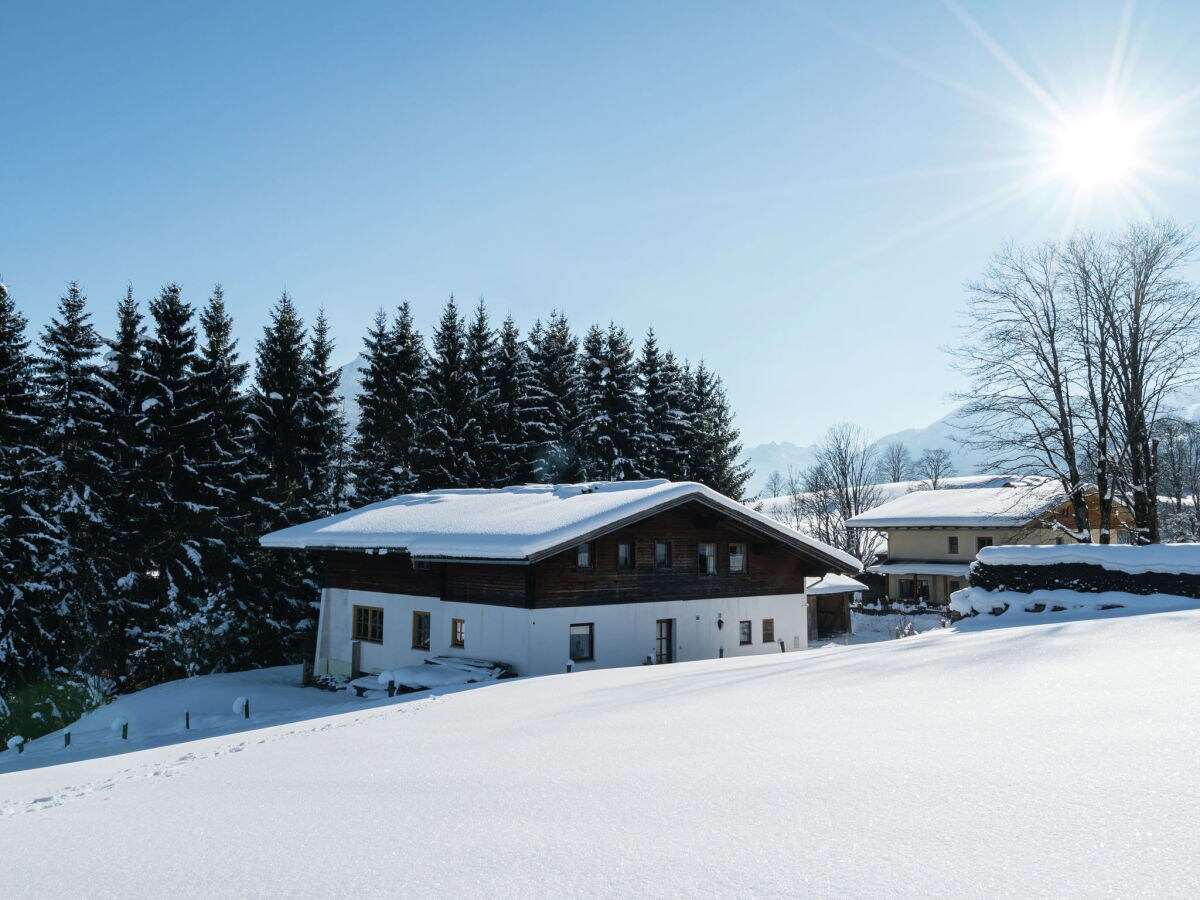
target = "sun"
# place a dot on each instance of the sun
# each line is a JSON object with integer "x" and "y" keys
{"x": 1098, "y": 150}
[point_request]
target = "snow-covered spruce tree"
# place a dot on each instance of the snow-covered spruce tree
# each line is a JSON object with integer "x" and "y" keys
{"x": 284, "y": 584}
{"x": 218, "y": 623}
{"x": 80, "y": 573}
{"x": 390, "y": 407}
{"x": 172, "y": 497}
{"x": 554, "y": 357}
{"x": 616, "y": 430}
{"x": 516, "y": 404}
{"x": 716, "y": 445}
{"x": 125, "y": 612}
{"x": 592, "y": 428}
{"x": 678, "y": 418}
{"x": 29, "y": 613}
{"x": 482, "y": 393}
{"x": 324, "y": 442}
{"x": 449, "y": 431}
{"x": 660, "y": 382}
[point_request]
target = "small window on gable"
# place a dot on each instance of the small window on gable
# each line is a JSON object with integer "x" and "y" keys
{"x": 458, "y": 633}
{"x": 625, "y": 556}
{"x": 768, "y": 631}
{"x": 737, "y": 559}
{"x": 981, "y": 542}
{"x": 662, "y": 554}
{"x": 952, "y": 544}
{"x": 708, "y": 559}
{"x": 745, "y": 632}
{"x": 583, "y": 556}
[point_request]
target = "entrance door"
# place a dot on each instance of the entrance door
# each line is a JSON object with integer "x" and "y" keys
{"x": 664, "y": 641}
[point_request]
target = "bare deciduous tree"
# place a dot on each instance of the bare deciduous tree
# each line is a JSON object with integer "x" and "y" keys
{"x": 934, "y": 467}
{"x": 775, "y": 484}
{"x": 895, "y": 463}
{"x": 838, "y": 486}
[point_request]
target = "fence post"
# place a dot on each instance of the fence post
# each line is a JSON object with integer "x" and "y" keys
{"x": 187, "y": 720}
{"x": 391, "y": 688}
{"x": 246, "y": 708}
{"x": 124, "y": 731}
{"x": 67, "y": 738}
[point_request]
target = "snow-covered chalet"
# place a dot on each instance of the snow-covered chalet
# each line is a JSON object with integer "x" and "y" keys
{"x": 550, "y": 577}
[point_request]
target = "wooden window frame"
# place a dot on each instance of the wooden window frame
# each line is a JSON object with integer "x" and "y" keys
{"x": 749, "y": 625}
{"x": 662, "y": 565}
{"x": 370, "y": 611}
{"x": 417, "y": 613}
{"x": 632, "y": 545}
{"x": 591, "y": 555}
{"x": 591, "y": 627}
{"x": 700, "y": 559}
{"x": 745, "y": 569}
{"x": 765, "y": 639}
{"x": 952, "y": 545}
{"x": 458, "y": 633}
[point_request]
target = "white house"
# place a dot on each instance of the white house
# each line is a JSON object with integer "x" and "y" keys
{"x": 542, "y": 576}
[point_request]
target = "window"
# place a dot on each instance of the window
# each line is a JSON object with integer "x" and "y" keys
{"x": 914, "y": 590}
{"x": 662, "y": 554}
{"x": 768, "y": 631}
{"x": 955, "y": 585}
{"x": 952, "y": 545}
{"x": 421, "y": 565}
{"x": 906, "y": 589}
{"x": 745, "y": 633}
{"x": 420, "y": 631}
{"x": 708, "y": 559}
{"x": 458, "y": 633}
{"x": 583, "y": 640}
{"x": 737, "y": 559}
{"x": 368, "y": 624}
{"x": 981, "y": 542}
{"x": 625, "y": 556}
{"x": 1059, "y": 541}
{"x": 583, "y": 556}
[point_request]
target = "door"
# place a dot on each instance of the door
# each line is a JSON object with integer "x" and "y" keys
{"x": 664, "y": 641}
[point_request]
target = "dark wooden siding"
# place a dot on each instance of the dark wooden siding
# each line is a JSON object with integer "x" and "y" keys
{"x": 391, "y": 573}
{"x": 772, "y": 568}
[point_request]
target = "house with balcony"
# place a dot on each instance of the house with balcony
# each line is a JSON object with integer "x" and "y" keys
{"x": 933, "y": 536}
{"x": 543, "y": 578}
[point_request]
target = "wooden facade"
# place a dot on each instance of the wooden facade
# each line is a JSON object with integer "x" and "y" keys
{"x": 772, "y": 567}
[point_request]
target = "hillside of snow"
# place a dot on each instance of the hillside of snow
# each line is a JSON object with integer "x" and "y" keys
{"x": 1055, "y": 757}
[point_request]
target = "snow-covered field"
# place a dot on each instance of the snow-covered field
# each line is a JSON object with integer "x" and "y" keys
{"x": 1046, "y": 759}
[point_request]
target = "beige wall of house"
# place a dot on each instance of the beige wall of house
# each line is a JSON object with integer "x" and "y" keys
{"x": 933, "y": 544}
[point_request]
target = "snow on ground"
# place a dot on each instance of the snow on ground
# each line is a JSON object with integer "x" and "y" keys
{"x": 1047, "y": 759}
{"x": 156, "y": 715}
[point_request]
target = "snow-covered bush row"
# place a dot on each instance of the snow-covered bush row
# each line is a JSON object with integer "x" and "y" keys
{"x": 1180, "y": 559}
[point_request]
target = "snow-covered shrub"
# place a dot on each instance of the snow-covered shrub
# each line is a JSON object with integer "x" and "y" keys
{"x": 36, "y": 709}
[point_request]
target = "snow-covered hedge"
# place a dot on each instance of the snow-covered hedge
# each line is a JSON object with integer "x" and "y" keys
{"x": 1088, "y": 568}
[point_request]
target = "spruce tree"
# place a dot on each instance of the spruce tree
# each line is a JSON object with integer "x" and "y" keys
{"x": 29, "y": 612}
{"x": 176, "y": 515}
{"x": 124, "y": 383}
{"x": 516, "y": 406}
{"x": 218, "y": 622}
{"x": 592, "y": 430}
{"x": 324, "y": 442}
{"x": 676, "y": 415}
{"x": 449, "y": 429}
{"x": 78, "y": 452}
{"x": 483, "y": 441}
{"x": 716, "y": 447}
{"x": 390, "y": 409}
{"x": 623, "y": 410}
{"x": 284, "y": 584}
{"x": 555, "y": 425}
{"x": 660, "y": 382}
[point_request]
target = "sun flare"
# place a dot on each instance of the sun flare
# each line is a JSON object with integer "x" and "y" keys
{"x": 1098, "y": 150}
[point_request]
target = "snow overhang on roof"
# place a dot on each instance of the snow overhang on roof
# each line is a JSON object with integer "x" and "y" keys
{"x": 997, "y": 507}
{"x": 920, "y": 568}
{"x": 835, "y": 584}
{"x": 524, "y": 523}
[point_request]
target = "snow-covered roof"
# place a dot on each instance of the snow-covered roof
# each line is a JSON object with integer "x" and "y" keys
{"x": 835, "y": 584}
{"x": 521, "y": 523}
{"x": 1011, "y": 506}
{"x": 958, "y": 570}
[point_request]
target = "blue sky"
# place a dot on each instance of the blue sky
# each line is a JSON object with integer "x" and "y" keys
{"x": 797, "y": 193}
